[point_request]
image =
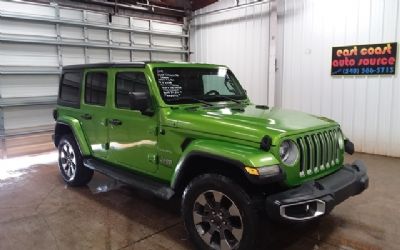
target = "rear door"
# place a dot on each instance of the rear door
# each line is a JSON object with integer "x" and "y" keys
{"x": 133, "y": 138}
{"x": 94, "y": 111}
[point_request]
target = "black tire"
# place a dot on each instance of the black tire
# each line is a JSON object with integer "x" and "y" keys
{"x": 233, "y": 195}
{"x": 70, "y": 163}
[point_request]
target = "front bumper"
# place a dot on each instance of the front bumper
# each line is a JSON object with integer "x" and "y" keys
{"x": 318, "y": 197}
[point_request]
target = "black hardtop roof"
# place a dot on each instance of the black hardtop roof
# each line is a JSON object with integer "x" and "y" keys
{"x": 111, "y": 65}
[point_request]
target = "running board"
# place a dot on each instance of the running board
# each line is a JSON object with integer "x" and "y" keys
{"x": 141, "y": 182}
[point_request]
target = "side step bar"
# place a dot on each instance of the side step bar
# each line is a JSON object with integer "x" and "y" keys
{"x": 141, "y": 182}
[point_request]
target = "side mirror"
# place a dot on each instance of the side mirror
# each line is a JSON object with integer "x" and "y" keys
{"x": 140, "y": 101}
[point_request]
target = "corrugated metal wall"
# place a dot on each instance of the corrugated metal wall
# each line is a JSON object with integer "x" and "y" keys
{"x": 238, "y": 38}
{"x": 36, "y": 40}
{"x": 368, "y": 107}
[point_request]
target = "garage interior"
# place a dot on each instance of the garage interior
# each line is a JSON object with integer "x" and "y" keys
{"x": 281, "y": 52}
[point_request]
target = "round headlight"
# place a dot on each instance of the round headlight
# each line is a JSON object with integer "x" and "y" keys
{"x": 340, "y": 139}
{"x": 288, "y": 152}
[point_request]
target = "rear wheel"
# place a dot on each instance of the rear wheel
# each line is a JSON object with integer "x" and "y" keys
{"x": 70, "y": 163}
{"x": 218, "y": 214}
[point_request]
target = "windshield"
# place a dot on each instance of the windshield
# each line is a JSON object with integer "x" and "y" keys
{"x": 188, "y": 85}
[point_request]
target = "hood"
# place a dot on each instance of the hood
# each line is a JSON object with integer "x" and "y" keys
{"x": 245, "y": 122}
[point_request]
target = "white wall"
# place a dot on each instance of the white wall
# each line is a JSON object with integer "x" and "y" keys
{"x": 236, "y": 38}
{"x": 368, "y": 107}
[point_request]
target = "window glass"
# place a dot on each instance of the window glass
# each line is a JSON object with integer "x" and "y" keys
{"x": 220, "y": 84}
{"x": 96, "y": 88}
{"x": 129, "y": 82}
{"x": 187, "y": 85}
{"x": 70, "y": 87}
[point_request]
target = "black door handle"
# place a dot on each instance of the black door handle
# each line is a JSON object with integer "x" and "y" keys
{"x": 115, "y": 122}
{"x": 86, "y": 116}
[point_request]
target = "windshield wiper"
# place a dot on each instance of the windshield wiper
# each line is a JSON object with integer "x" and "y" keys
{"x": 227, "y": 98}
{"x": 190, "y": 98}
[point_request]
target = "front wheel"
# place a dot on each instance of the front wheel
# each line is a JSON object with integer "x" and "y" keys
{"x": 218, "y": 214}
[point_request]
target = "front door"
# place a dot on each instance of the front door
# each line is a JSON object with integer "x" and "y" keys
{"x": 132, "y": 135}
{"x": 94, "y": 111}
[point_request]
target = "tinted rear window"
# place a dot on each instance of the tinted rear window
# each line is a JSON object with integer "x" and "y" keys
{"x": 96, "y": 88}
{"x": 70, "y": 88}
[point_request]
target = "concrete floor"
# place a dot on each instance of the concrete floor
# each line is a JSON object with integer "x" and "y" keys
{"x": 37, "y": 211}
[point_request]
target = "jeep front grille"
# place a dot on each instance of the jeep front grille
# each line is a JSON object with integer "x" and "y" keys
{"x": 318, "y": 151}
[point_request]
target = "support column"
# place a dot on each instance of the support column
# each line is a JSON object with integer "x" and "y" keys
{"x": 85, "y": 37}
{"x": 185, "y": 40}
{"x": 151, "y": 39}
{"x": 3, "y": 148}
{"x": 273, "y": 28}
{"x": 279, "y": 54}
{"x": 131, "y": 40}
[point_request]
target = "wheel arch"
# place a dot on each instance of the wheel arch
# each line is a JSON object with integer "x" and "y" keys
{"x": 60, "y": 130}
{"x": 71, "y": 127}
{"x": 196, "y": 163}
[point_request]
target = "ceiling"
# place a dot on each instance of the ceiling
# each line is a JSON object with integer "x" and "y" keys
{"x": 179, "y": 4}
{"x": 168, "y": 8}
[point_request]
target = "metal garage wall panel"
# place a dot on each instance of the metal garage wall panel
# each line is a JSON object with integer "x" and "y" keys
{"x": 93, "y": 17}
{"x": 71, "y": 33}
{"x": 141, "y": 39}
{"x": 27, "y": 9}
{"x": 28, "y": 55}
{"x": 97, "y": 55}
{"x": 12, "y": 27}
{"x": 36, "y": 40}
{"x": 167, "y": 41}
{"x": 73, "y": 55}
{"x": 121, "y": 56}
{"x": 237, "y": 38}
{"x": 141, "y": 24}
{"x": 166, "y": 57}
{"x": 120, "y": 21}
{"x": 367, "y": 107}
{"x": 21, "y": 118}
{"x": 12, "y": 86}
{"x": 97, "y": 35}
{"x": 141, "y": 56}
{"x": 167, "y": 27}
{"x": 71, "y": 14}
{"x": 122, "y": 38}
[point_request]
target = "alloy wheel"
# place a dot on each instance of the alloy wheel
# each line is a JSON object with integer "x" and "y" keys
{"x": 68, "y": 161}
{"x": 217, "y": 220}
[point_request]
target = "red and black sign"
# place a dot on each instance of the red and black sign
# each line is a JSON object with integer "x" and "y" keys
{"x": 369, "y": 59}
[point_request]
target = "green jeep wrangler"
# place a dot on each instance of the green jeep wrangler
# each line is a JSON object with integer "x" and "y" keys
{"x": 189, "y": 130}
